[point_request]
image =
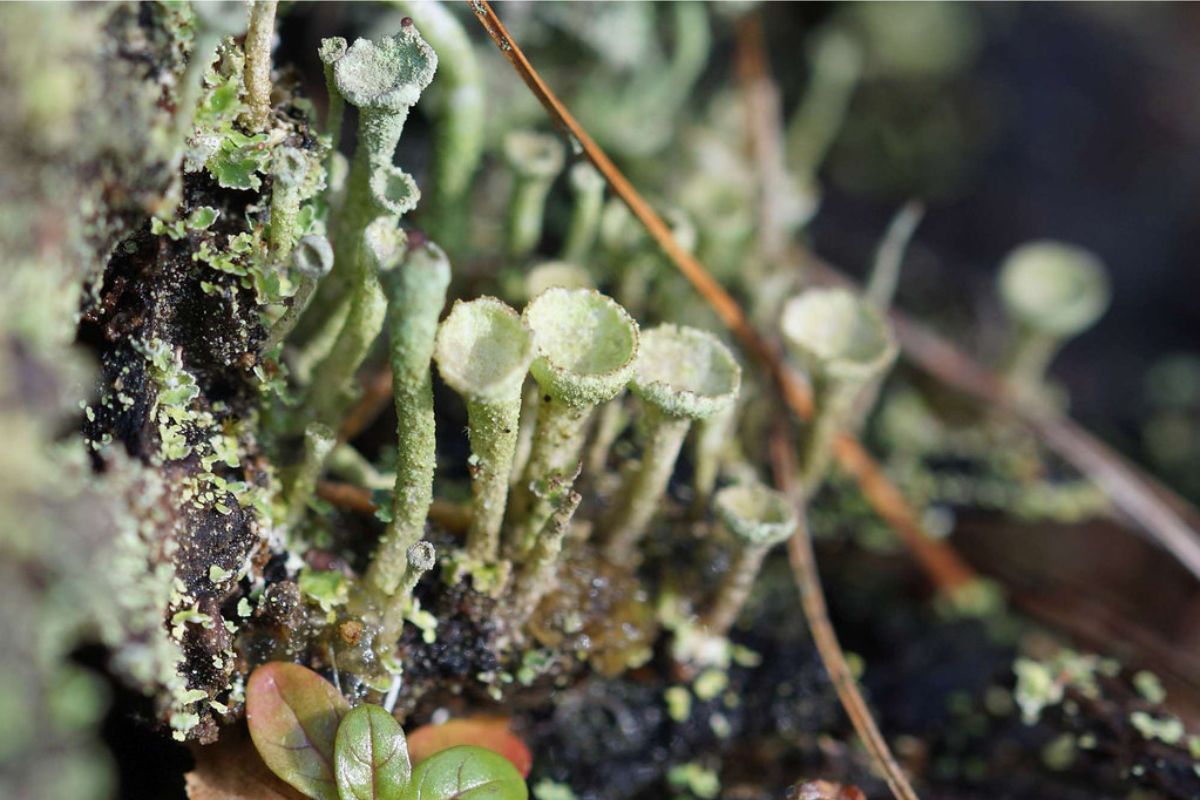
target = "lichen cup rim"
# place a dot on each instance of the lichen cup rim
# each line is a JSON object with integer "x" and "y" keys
{"x": 483, "y": 349}
{"x": 562, "y": 320}
{"x": 389, "y": 74}
{"x": 1054, "y": 287}
{"x": 685, "y": 372}
{"x": 332, "y": 49}
{"x": 313, "y": 256}
{"x": 534, "y": 153}
{"x": 813, "y": 325}
{"x": 755, "y": 514}
{"x": 394, "y": 189}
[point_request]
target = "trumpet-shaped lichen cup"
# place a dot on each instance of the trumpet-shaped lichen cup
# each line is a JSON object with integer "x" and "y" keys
{"x": 585, "y": 348}
{"x": 756, "y": 518}
{"x": 1052, "y": 291}
{"x": 843, "y": 343}
{"x": 682, "y": 375}
{"x": 483, "y": 351}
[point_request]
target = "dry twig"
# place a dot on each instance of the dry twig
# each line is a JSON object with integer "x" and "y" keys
{"x": 812, "y": 598}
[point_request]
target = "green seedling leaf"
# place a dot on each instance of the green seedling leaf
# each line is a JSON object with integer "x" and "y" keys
{"x": 202, "y": 218}
{"x": 293, "y": 714}
{"x": 466, "y": 773}
{"x": 370, "y": 757}
{"x": 238, "y": 160}
{"x": 492, "y": 733}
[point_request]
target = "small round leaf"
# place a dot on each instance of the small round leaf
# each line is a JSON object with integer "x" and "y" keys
{"x": 370, "y": 757}
{"x": 466, "y": 773}
{"x": 293, "y": 714}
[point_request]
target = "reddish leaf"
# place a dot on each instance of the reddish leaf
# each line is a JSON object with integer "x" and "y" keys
{"x": 492, "y": 733}
{"x": 293, "y": 714}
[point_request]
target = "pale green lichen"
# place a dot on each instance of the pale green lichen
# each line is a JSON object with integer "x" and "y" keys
{"x": 682, "y": 374}
{"x": 260, "y": 33}
{"x": 535, "y": 160}
{"x": 842, "y": 343}
{"x": 1052, "y": 291}
{"x": 312, "y": 260}
{"x": 319, "y": 440}
{"x": 420, "y": 558}
{"x": 416, "y": 293}
{"x": 757, "y": 518}
{"x": 330, "y": 52}
{"x": 585, "y": 350}
{"x": 587, "y": 187}
{"x": 538, "y": 575}
{"x": 458, "y": 107}
{"x": 483, "y": 351}
{"x": 332, "y": 389}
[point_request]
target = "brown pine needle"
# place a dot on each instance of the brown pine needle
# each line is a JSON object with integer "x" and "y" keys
{"x": 795, "y": 394}
{"x": 812, "y": 600}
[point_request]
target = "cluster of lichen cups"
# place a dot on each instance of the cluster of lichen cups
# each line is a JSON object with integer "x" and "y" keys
{"x": 581, "y": 349}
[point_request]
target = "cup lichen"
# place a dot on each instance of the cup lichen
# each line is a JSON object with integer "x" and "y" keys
{"x": 585, "y": 348}
{"x": 842, "y": 343}
{"x": 416, "y": 292}
{"x": 483, "y": 351}
{"x": 756, "y": 518}
{"x": 535, "y": 160}
{"x": 682, "y": 374}
{"x": 1052, "y": 291}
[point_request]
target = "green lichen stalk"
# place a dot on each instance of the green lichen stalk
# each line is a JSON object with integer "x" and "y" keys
{"x": 419, "y": 559}
{"x": 535, "y": 160}
{"x": 332, "y": 389}
{"x": 416, "y": 293}
{"x": 757, "y": 518}
{"x": 843, "y": 344}
{"x": 257, "y": 75}
{"x": 539, "y": 573}
{"x": 587, "y": 187}
{"x": 483, "y": 352}
{"x": 312, "y": 260}
{"x": 585, "y": 348}
{"x": 319, "y": 440}
{"x": 330, "y": 52}
{"x": 683, "y": 374}
{"x": 711, "y": 440}
{"x": 290, "y": 169}
{"x": 459, "y": 113}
